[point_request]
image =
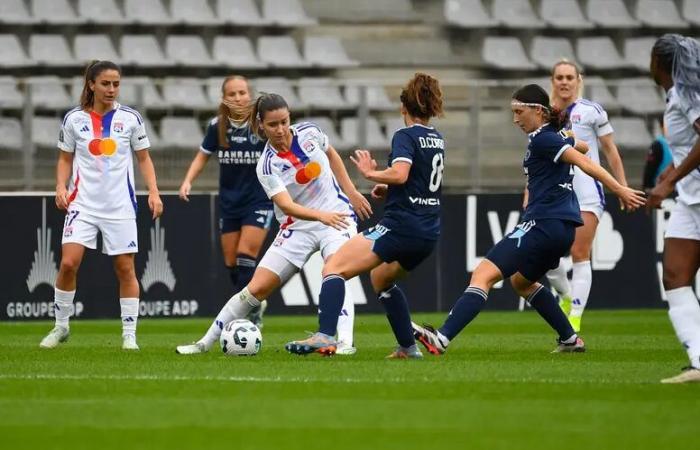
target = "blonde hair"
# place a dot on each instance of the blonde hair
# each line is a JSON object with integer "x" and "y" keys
{"x": 579, "y": 77}
{"x": 224, "y": 111}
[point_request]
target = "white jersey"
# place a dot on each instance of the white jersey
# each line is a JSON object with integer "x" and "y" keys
{"x": 102, "y": 182}
{"x": 589, "y": 121}
{"x": 304, "y": 172}
{"x": 679, "y": 117}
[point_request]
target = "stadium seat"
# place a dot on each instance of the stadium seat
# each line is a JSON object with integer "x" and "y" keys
{"x": 286, "y": 13}
{"x": 516, "y": 14}
{"x": 610, "y": 14}
{"x": 327, "y": 51}
{"x": 185, "y": 93}
{"x": 49, "y": 92}
{"x": 328, "y": 127}
{"x": 278, "y": 85}
{"x": 505, "y": 53}
{"x": 15, "y": 12}
{"x": 660, "y": 14}
{"x": 280, "y": 51}
{"x": 140, "y": 92}
{"x": 321, "y": 93}
{"x": 213, "y": 89}
{"x": 188, "y": 50}
{"x": 376, "y": 140}
{"x": 638, "y": 52}
{"x": 408, "y": 51}
{"x": 151, "y": 12}
{"x": 88, "y": 47}
{"x": 691, "y": 11}
{"x": 55, "y": 12}
{"x": 153, "y": 137}
{"x": 11, "y": 52}
{"x": 240, "y": 12}
{"x": 599, "y": 53}
{"x": 392, "y": 125}
{"x": 546, "y": 51}
{"x": 377, "y": 99}
{"x": 385, "y": 11}
{"x": 468, "y": 14}
{"x": 193, "y": 12}
{"x": 10, "y": 96}
{"x": 45, "y": 131}
{"x": 11, "y": 132}
{"x": 640, "y": 96}
{"x": 50, "y": 50}
{"x": 236, "y": 52}
{"x": 597, "y": 91}
{"x": 100, "y": 11}
{"x": 180, "y": 133}
{"x": 564, "y": 14}
{"x": 631, "y": 133}
{"x": 143, "y": 50}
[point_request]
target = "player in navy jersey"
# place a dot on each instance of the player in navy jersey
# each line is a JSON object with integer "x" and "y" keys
{"x": 407, "y": 233}
{"x": 245, "y": 211}
{"x": 547, "y": 229}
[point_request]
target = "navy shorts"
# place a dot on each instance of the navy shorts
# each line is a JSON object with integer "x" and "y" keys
{"x": 533, "y": 248}
{"x": 409, "y": 251}
{"x": 260, "y": 216}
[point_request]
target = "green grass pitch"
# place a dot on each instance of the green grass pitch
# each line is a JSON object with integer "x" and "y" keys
{"x": 498, "y": 387}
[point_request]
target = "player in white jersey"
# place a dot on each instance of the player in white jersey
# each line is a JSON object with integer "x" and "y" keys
{"x": 589, "y": 123}
{"x": 675, "y": 66}
{"x": 96, "y": 143}
{"x": 307, "y": 182}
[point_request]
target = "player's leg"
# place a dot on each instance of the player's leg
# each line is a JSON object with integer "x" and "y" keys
{"x": 559, "y": 280}
{"x": 254, "y": 230}
{"x": 230, "y": 230}
{"x": 582, "y": 273}
{"x": 128, "y": 298}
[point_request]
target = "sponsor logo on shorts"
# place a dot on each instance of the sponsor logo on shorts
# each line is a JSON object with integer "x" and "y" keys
{"x": 68, "y": 232}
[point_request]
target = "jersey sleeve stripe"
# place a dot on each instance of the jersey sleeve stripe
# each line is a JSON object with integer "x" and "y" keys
{"x": 139, "y": 119}
{"x": 402, "y": 159}
{"x": 205, "y": 151}
{"x": 65, "y": 118}
{"x": 561, "y": 151}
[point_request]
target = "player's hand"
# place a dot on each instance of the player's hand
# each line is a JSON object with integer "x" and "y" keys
{"x": 379, "y": 191}
{"x": 155, "y": 204}
{"x": 658, "y": 194}
{"x": 364, "y": 162}
{"x": 631, "y": 199}
{"x": 61, "y": 197}
{"x": 360, "y": 204}
{"x": 339, "y": 221}
{"x": 184, "y": 191}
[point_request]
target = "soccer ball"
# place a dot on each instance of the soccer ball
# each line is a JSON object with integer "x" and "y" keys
{"x": 240, "y": 338}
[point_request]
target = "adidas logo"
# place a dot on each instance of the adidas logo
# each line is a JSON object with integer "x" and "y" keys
{"x": 132, "y": 244}
{"x": 43, "y": 269}
{"x": 158, "y": 269}
{"x": 85, "y": 129}
{"x": 128, "y": 319}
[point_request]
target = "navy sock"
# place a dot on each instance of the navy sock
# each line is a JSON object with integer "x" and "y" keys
{"x": 396, "y": 307}
{"x": 464, "y": 311}
{"x": 330, "y": 303}
{"x": 246, "y": 268}
{"x": 546, "y": 305}
{"x": 233, "y": 275}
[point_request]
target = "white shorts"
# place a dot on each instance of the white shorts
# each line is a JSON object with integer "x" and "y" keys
{"x": 595, "y": 208}
{"x": 296, "y": 246}
{"x": 684, "y": 222}
{"x": 119, "y": 236}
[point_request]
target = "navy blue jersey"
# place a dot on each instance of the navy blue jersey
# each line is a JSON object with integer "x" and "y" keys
{"x": 239, "y": 188}
{"x": 413, "y": 208}
{"x": 549, "y": 180}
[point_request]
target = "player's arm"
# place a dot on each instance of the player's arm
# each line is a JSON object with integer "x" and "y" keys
{"x": 64, "y": 168}
{"x": 290, "y": 208}
{"x": 149, "y": 176}
{"x": 357, "y": 200}
{"x": 196, "y": 167}
{"x": 612, "y": 156}
{"x": 396, "y": 174}
{"x": 630, "y": 198}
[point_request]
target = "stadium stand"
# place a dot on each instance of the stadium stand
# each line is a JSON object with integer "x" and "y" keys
{"x": 100, "y": 12}
{"x": 286, "y": 13}
{"x": 280, "y": 51}
{"x": 631, "y": 132}
{"x": 11, "y": 132}
{"x": 468, "y": 14}
{"x": 564, "y": 14}
{"x": 143, "y": 50}
{"x": 327, "y": 51}
{"x": 516, "y": 14}
{"x": 349, "y": 132}
{"x": 691, "y": 11}
{"x": 50, "y": 50}
{"x": 281, "y": 86}
{"x": 45, "y": 131}
{"x": 147, "y": 12}
{"x": 55, "y": 12}
{"x": 546, "y": 51}
{"x": 49, "y": 93}
{"x": 599, "y": 92}
{"x": 640, "y": 96}
{"x": 235, "y": 52}
{"x": 240, "y": 12}
{"x": 599, "y": 53}
{"x": 140, "y": 92}
{"x": 505, "y": 53}
{"x": 182, "y": 133}
{"x": 193, "y": 12}
{"x": 88, "y": 47}
{"x": 321, "y": 93}
{"x": 11, "y": 52}
{"x": 610, "y": 14}
{"x": 188, "y": 51}
{"x": 186, "y": 93}
{"x": 15, "y": 12}
{"x": 659, "y": 14}
{"x": 362, "y": 11}
{"x": 10, "y": 96}
{"x": 637, "y": 51}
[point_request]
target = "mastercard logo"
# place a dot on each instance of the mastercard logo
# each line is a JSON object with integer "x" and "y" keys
{"x": 105, "y": 146}
{"x": 309, "y": 172}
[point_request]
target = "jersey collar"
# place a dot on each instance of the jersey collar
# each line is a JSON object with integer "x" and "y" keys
{"x": 537, "y": 131}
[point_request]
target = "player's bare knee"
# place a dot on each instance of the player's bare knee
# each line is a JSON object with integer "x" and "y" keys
{"x": 69, "y": 266}
{"x": 673, "y": 279}
{"x": 379, "y": 281}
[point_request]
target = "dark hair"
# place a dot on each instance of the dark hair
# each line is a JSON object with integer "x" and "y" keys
{"x": 254, "y": 113}
{"x": 679, "y": 56}
{"x": 532, "y": 95}
{"x": 422, "y": 97}
{"x": 92, "y": 71}
{"x": 224, "y": 110}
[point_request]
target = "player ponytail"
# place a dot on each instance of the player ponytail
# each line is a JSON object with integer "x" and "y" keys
{"x": 533, "y": 96}
{"x": 679, "y": 56}
{"x": 92, "y": 71}
{"x": 422, "y": 97}
{"x": 224, "y": 112}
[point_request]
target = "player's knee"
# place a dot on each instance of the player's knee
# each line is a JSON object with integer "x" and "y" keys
{"x": 125, "y": 271}
{"x": 580, "y": 252}
{"x": 69, "y": 266}
{"x": 674, "y": 279}
{"x": 379, "y": 281}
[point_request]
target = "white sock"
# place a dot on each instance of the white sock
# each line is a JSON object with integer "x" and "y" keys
{"x": 63, "y": 306}
{"x": 559, "y": 280}
{"x": 581, "y": 279}
{"x": 346, "y": 320}
{"x": 130, "y": 315}
{"x": 237, "y": 307}
{"x": 684, "y": 311}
